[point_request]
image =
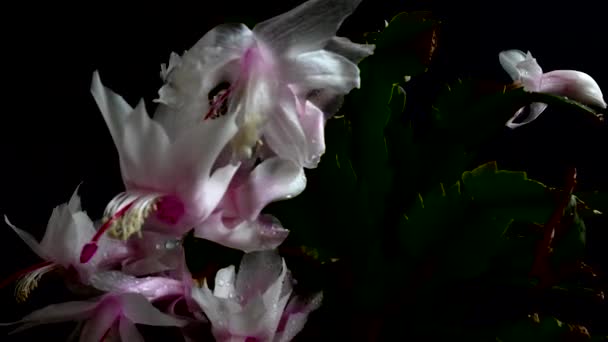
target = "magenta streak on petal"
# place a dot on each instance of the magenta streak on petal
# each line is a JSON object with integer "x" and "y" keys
{"x": 23, "y": 272}
{"x": 218, "y": 103}
{"x": 169, "y": 209}
{"x": 89, "y": 250}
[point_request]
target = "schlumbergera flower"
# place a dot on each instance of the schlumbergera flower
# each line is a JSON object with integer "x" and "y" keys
{"x": 234, "y": 90}
{"x": 281, "y": 80}
{"x": 576, "y": 85}
{"x": 111, "y": 317}
{"x": 67, "y": 231}
{"x": 256, "y": 303}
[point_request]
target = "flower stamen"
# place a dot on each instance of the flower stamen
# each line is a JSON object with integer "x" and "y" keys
{"x": 124, "y": 216}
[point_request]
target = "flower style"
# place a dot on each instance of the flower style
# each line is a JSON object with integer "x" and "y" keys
{"x": 112, "y": 315}
{"x": 576, "y": 85}
{"x": 253, "y": 304}
{"x": 281, "y": 80}
{"x": 67, "y": 231}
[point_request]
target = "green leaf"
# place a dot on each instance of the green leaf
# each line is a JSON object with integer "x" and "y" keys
{"x": 508, "y": 194}
{"x": 569, "y": 246}
{"x": 405, "y": 47}
{"x": 431, "y": 219}
{"x": 534, "y": 329}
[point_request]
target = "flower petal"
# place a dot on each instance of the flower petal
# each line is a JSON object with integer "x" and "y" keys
{"x": 535, "y": 111}
{"x": 509, "y": 60}
{"x": 152, "y": 288}
{"x": 305, "y": 28}
{"x": 138, "y": 309}
{"x": 576, "y": 85}
{"x": 224, "y": 283}
{"x": 128, "y": 332}
{"x": 55, "y": 313}
{"x": 258, "y": 272}
{"x": 113, "y": 107}
{"x": 297, "y": 133}
{"x": 261, "y": 234}
{"x": 106, "y": 315}
{"x": 273, "y": 179}
{"x": 28, "y": 239}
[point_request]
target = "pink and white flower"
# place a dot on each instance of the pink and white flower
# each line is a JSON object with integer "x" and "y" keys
{"x": 111, "y": 317}
{"x": 576, "y": 85}
{"x": 253, "y": 303}
{"x": 280, "y": 80}
{"x": 68, "y": 230}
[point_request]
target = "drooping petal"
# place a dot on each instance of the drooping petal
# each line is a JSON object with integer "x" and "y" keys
{"x": 305, "y": 28}
{"x": 576, "y": 85}
{"x": 535, "y": 110}
{"x": 139, "y": 310}
{"x": 263, "y": 233}
{"x": 273, "y": 179}
{"x": 152, "y": 288}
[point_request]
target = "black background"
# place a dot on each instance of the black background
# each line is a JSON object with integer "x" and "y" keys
{"x": 53, "y": 136}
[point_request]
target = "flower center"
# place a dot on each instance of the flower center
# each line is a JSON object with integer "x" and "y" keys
{"x": 218, "y": 100}
{"x": 126, "y": 214}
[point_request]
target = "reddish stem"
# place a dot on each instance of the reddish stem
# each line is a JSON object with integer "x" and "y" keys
{"x": 540, "y": 268}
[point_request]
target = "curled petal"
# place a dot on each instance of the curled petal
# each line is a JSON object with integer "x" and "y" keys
{"x": 576, "y": 85}
{"x": 509, "y": 60}
{"x": 273, "y": 179}
{"x": 261, "y": 234}
{"x": 535, "y": 110}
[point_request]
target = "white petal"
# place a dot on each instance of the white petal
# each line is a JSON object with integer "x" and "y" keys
{"x": 535, "y": 111}
{"x": 324, "y": 70}
{"x": 106, "y": 315}
{"x": 261, "y": 234}
{"x": 150, "y": 287}
{"x": 272, "y": 180}
{"x": 573, "y": 84}
{"x": 28, "y": 239}
{"x": 112, "y": 106}
{"x": 224, "y": 283}
{"x": 305, "y": 28}
{"x": 128, "y": 332}
{"x": 55, "y": 313}
{"x": 258, "y": 272}
{"x": 138, "y": 309}
{"x": 352, "y": 51}
{"x": 296, "y": 132}
{"x": 509, "y": 60}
